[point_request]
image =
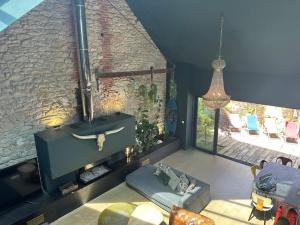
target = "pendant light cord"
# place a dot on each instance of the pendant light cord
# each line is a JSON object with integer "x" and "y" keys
{"x": 221, "y": 36}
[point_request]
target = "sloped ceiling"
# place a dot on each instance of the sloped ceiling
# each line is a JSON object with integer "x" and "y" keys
{"x": 261, "y": 37}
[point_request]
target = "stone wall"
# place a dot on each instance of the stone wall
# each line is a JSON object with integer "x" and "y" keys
{"x": 39, "y": 73}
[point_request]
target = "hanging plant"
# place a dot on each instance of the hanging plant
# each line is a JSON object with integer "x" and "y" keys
{"x": 147, "y": 131}
{"x": 173, "y": 89}
{"x": 142, "y": 91}
{"x": 152, "y": 94}
{"x": 132, "y": 85}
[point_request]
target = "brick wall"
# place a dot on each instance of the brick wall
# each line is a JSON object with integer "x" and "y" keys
{"x": 39, "y": 73}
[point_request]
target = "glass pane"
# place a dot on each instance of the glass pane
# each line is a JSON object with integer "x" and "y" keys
{"x": 205, "y": 126}
{"x": 252, "y": 132}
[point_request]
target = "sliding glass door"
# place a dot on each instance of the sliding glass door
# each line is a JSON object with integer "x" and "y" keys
{"x": 206, "y": 131}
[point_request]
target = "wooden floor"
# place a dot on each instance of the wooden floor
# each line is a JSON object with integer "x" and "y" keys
{"x": 254, "y": 148}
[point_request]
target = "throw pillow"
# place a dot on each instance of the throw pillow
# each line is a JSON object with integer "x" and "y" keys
{"x": 183, "y": 184}
{"x": 163, "y": 178}
{"x": 174, "y": 179}
{"x": 157, "y": 171}
{"x": 191, "y": 186}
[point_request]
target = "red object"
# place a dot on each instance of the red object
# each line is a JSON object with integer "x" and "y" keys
{"x": 284, "y": 212}
{"x": 292, "y": 216}
{"x": 278, "y": 215}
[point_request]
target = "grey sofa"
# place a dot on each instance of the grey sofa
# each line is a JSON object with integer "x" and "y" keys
{"x": 146, "y": 183}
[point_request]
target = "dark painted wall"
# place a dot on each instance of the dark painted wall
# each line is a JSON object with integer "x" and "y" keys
{"x": 185, "y": 103}
{"x": 251, "y": 87}
{"x": 259, "y": 36}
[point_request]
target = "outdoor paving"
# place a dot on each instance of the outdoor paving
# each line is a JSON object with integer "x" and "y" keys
{"x": 254, "y": 148}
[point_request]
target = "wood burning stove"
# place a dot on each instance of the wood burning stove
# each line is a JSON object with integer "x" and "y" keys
{"x": 61, "y": 155}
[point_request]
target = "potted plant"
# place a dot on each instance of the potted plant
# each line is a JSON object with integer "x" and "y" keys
{"x": 147, "y": 131}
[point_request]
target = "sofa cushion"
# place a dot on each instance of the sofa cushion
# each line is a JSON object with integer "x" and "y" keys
{"x": 163, "y": 178}
{"x": 174, "y": 180}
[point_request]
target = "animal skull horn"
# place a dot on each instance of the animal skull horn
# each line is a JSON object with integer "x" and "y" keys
{"x": 100, "y": 137}
{"x": 100, "y": 141}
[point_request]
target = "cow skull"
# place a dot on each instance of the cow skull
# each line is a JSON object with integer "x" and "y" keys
{"x": 100, "y": 137}
{"x": 100, "y": 141}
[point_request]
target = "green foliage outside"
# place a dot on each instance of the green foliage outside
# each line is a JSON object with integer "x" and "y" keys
{"x": 205, "y": 126}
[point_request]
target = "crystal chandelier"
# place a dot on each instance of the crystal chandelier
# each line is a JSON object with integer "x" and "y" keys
{"x": 216, "y": 96}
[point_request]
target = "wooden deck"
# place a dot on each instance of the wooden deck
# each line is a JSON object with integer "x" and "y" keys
{"x": 254, "y": 148}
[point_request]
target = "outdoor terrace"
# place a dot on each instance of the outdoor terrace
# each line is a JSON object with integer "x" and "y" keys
{"x": 251, "y": 149}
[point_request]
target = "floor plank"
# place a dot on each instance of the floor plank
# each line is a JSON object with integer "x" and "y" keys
{"x": 254, "y": 148}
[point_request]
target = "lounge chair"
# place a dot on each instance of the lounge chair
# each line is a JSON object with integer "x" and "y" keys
{"x": 271, "y": 127}
{"x": 235, "y": 124}
{"x": 291, "y": 132}
{"x": 252, "y": 124}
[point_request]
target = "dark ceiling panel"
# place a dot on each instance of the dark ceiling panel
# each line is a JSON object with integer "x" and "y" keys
{"x": 260, "y": 37}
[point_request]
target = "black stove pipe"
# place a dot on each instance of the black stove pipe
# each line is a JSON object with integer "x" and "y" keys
{"x": 84, "y": 63}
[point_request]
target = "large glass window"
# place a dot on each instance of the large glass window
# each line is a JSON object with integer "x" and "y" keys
{"x": 205, "y": 127}
{"x": 251, "y": 132}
